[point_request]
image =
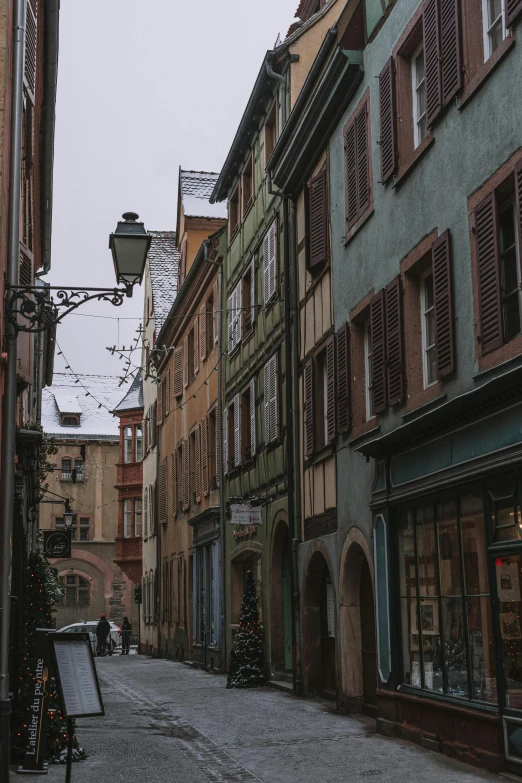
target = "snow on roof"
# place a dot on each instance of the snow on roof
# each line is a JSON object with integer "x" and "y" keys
{"x": 196, "y": 189}
{"x": 134, "y": 397}
{"x": 95, "y": 422}
{"x": 163, "y": 265}
{"x": 67, "y": 403}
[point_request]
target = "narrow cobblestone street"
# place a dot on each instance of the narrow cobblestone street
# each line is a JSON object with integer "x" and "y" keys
{"x": 165, "y": 721}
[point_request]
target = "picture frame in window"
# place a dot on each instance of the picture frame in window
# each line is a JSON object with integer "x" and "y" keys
{"x": 510, "y": 625}
{"x": 429, "y": 612}
{"x": 508, "y": 584}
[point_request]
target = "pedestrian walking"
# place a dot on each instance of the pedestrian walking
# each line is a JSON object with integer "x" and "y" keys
{"x": 126, "y": 629}
{"x": 103, "y": 630}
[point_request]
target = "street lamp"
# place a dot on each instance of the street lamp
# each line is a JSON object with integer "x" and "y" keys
{"x": 68, "y": 516}
{"x": 36, "y": 309}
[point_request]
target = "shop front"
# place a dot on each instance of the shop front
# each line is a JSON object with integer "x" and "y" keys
{"x": 448, "y": 555}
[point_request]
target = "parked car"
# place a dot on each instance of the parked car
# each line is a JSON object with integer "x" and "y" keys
{"x": 90, "y": 628}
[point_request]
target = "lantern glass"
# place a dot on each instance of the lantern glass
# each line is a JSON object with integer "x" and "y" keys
{"x": 68, "y": 518}
{"x": 129, "y": 245}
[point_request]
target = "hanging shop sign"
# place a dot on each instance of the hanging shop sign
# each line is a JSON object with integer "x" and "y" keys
{"x": 38, "y": 708}
{"x": 57, "y": 543}
{"x": 241, "y": 514}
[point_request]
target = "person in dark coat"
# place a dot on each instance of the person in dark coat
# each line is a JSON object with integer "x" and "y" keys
{"x": 103, "y": 630}
{"x": 126, "y": 629}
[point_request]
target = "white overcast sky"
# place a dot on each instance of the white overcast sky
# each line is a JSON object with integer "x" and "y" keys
{"x": 144, "y": 86}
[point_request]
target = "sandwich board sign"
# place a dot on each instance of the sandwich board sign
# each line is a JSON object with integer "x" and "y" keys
{"x": 76, "y": 675}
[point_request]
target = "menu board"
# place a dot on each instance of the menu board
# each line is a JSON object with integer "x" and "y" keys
{"x": 76, "y": 674}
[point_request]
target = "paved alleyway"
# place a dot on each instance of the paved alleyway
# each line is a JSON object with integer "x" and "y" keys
{"x": 167, "y": 722}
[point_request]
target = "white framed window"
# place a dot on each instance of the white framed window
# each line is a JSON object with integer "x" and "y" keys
{"x": 494, "y": 25}
{"x": 234, "y": 318}
{"x": 429, "y": 351}
{"x": 127, "y": 518}
{"x": 418, "y": 79}
{"x": 137, "y": 518}
{"x": 139, "y": 443}
{"x": 127, "y": 444}
{"x": 368, "y": 379}
{"x": 510, "y": 269}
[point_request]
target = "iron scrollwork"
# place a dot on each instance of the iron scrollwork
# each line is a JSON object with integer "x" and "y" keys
{"x": 34, "y": 310}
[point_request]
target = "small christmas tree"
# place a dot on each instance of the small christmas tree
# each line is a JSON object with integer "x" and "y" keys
{"x": 40, "y": 590}
{"x": 247, "y": 658}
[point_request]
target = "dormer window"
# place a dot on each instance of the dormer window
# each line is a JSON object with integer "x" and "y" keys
{"x": 70, "y": 421}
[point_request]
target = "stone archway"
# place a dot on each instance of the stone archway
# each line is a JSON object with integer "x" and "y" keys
{"x": 281, "y": 625}
{"x": 319, "y": 623}
{"x": 245, "y": 557}
{"x": 357, "y": 622}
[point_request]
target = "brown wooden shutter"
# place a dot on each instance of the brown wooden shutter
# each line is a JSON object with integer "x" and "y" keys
{"x": 215, "y": 311}
{"x": 186, "y": 362}
{"x": 317, "y": 221}
{"x": 203, "y": 332}
{"x": 204, "y": 457}
{"x": 185, "y": 489}
{"x": 197, "y": 462}
{"x": 518, "y": 208}
{"x": 159, "y": 398}
{"x": 343, "y": 379}
{"x": 162, "y": 492}
{"x": 394, "y": 342}
{"x": 432, "y": 60}
{"x": 173, "y": 479}
{"x": 388, "y": 141}
{"x": 488, "y": 273}
{"x": 363, "y": 171}
{"x": 218, "y": 449}
{"x": 443, "y": 305}
{"x": 145, "y": 430}
{"x": 331, "y": 418}
{"x": 31, "y": 28}
{"x": 166, "y": 402}
{"x": 351, "y": 176}
{"x": 377, "y": 328}
{"x": 154, "y": 420}
{"x": 308, "y": 391}
{"x": 177, "y": 372}
{"x": 450, "y": 44}
{"x": 196, "y": 345}
{"x": 513, "y": 11}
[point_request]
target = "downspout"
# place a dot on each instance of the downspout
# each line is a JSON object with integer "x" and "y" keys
{"x": 158, "y": 537}
{"x": 292, "y": 406}
{"x": 282, "y": 81}
{"x": 9, "y": 401}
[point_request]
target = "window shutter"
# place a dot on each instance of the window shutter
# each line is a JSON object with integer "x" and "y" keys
{"x": 230, "y": 316}
{"x": 204, "y": 457}
{"x": 331, "y": 427}
{"x": 145, "y": 430}
{"x": 218, "y": 448}
{"x": 152, "y": 509}
{"x": 343, "y": 379}
{"x": 266, "y": 401}
{"x": 225, "y": 440}
{"x": 317, "y": 221}
{"x": 215, "y": 311}
{"x": 252, "y": 417}
{"x": 363, "y": 174}
{"x": 173, "y": 481}
{"x": 145, "y": 512}
{"x": 238, "y": 312}
{"x": 432, "y": 59}
{"x": 31, "y": 28}
{"x": 351, "y": 176}
{"x": 394, "y": 342}
{"x": 274, "y": 423}
{"x": 308, "y": 391}
{"x": 388, "y": 121}
{"x": 272, "y": 232}
{"x": 197, "y": 462}
{"x": 266, "y": 281}
{"x": 451, "y": 68}
{"x": 443, "y": 305}
{"x": 237, "y": 430}
{"x": 185, "y": 362}
{"x": 167, "y": 394}
{"x": 518, "y": 207}
{"x": 177, "y": 375}
{"x": 159, "y": 398}
{"x": 488, "y": 272}
{"x": 154, "y": 419}
{"x": 378, "y": 352}
{"x": 162, "y": 492}
{"x": 253, "y": 291}
{"x": 513, "y": 11}
{"x": 196, "y": 345}
{"x": 203, "y": 332}
{"x": 185, "y": 489}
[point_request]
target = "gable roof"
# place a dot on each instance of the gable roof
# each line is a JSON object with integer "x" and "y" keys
{"x": 163, "y": 268}
{"x": 134, "y": 397}
{"x": 95, "y": 423}
{"x": 195, "y": 190}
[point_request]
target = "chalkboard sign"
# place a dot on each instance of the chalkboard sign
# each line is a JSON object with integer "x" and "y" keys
{"x": 76, "y": 675}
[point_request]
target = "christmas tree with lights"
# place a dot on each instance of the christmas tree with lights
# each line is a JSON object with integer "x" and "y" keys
{"x": 41, "y": 590}
{"x": 247, "y": 658}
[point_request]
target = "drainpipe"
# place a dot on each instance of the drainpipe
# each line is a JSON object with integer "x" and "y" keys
{"x": 9, "y": 401}
{"x": 282, "y": 81}
{"x": 158, "y": 539}
{"x": 219, "y": 265}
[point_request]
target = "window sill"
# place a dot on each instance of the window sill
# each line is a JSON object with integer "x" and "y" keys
{"x": 421, "y": 408}
{"x": 268, "y": 306}
{"x": 351, "y": 232}
{"x": 248, "y": 336}
{"x": 233, "y": 235}
{"x": 247, "y": 209}
{"x": 235, "y": 351}
{"x": 370, "y": 427}
{"x": 322, "y": 454}
{"x": 478, "y": 80}
{"x": 408, "y": 691}
{"x": 417, "y": 155}
{"x": 499, "y": 356}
